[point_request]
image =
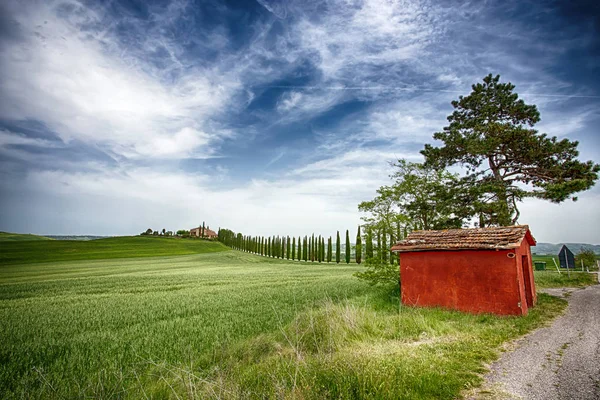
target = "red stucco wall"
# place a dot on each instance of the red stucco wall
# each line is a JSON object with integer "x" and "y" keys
{"x": 477, "y": 281}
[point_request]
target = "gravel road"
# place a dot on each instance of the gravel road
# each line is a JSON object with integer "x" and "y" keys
{"x": 561, "y": 361}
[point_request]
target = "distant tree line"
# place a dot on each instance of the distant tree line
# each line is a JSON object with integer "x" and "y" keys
{"x": 311, "y": 248}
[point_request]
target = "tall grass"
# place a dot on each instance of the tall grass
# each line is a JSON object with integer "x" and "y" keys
{"x": 552, "y": 279}
{"x": 359, "y": 349}
{"x": 100, "y": 328}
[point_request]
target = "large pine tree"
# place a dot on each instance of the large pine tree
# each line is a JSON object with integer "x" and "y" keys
{"x": 491, "y": 135}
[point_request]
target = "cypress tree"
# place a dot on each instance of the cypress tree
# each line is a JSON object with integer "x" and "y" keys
{"x": 369, "y": 245}
{"x": 358, "y": 247}
{"x": 347, "y": 247}
{"x": 312, "y": 248}
{"x": 288, "y": 248}
{"x": 299, "y": 248}
{"x": 337, "y": 248}
{"x": 322, "y": 249}
{"x": 293, "y": 248}
{"x": 329, "y": 249}
{"x": 319, "y": 248}
{"x": 279, "y": 246}
{"x": 283, "y": 244}
{"x": 305, "y": 249}
{"x": 202, "y": 229}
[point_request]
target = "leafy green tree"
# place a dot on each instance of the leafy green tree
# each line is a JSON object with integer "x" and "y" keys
{"x": 347, "y": 247}
{"x": 358, "y": 255}
{"x": 420, "y": 197}
{"x": 587, "y": 257}
{"x": 379, "y": 257}
{"x": 338, "y": 246}
{"x": 384, "y": 248}
{"x": 491, "y": 134}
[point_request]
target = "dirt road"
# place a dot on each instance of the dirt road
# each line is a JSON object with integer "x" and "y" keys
{"x": 561, "y": 361}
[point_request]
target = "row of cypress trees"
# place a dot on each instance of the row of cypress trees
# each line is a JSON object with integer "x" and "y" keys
{"x": 308, "y": 248}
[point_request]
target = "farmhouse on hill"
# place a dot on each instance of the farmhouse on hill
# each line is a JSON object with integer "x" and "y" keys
{"x": 210, "y": 234}
{"x": 477, "y": 270}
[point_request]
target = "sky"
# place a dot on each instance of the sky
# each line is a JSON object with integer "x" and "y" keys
{"x": 267, "y": 117}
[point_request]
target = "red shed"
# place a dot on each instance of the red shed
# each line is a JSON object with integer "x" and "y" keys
{"x": 479, "y": 270}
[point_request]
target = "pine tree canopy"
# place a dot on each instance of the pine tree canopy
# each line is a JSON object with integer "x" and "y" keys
{"x": 491, "y": 134}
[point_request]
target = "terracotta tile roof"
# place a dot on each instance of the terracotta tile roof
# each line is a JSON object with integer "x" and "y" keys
{"x": 503, "y": 237}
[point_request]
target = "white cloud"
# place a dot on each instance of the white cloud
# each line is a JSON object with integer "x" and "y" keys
{"x": 82, "y": 85}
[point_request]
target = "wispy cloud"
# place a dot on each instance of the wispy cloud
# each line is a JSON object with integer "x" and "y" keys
{"x": 80, "y": 84}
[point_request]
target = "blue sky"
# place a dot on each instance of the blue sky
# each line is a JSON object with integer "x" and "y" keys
{"x": 266, "y": 117}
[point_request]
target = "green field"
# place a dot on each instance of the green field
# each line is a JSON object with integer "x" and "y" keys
{"x": 22, "y": 252}
{"x": 14, "y": 237}
{"x": 226, "y": 324}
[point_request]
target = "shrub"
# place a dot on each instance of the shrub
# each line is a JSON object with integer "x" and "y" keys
{"x": 378, "y": 272}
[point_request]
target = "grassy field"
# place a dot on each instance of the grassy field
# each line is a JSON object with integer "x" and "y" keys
{"x": 552, "y": 279}
{"x": 225, "y": 324}
{"x": 22, "y": 252}
{"x": 14, "y": 237}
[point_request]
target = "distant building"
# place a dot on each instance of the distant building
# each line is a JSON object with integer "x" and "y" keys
{"x": 479, "y": 270}
{"x": 210, "y": 234}
{"x": 566, "y": 258}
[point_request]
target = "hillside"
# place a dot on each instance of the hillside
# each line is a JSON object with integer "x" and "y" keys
{"x": 17, "y": 237}
{"x": 553, "y": 249}
{"x": 34, "y": 251}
